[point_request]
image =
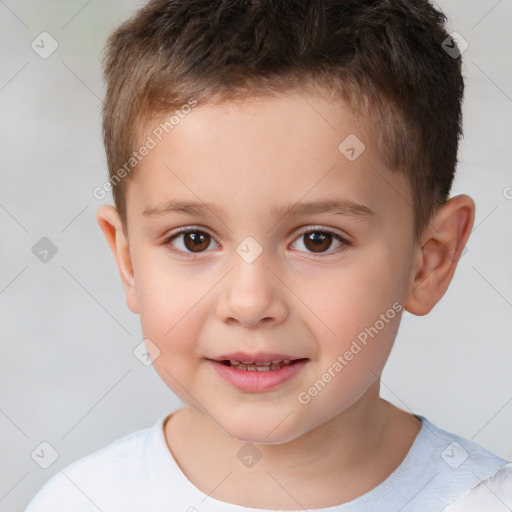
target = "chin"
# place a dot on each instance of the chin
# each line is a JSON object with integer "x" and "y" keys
{"x": 263, "y": 430}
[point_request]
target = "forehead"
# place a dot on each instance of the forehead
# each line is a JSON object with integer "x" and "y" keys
{"x": 263, "y": 153}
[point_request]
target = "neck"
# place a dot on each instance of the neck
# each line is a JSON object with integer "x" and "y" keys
{"x": 340, "y": 460}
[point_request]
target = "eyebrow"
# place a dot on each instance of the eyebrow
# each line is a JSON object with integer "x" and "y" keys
{"x": 336, "y": 206}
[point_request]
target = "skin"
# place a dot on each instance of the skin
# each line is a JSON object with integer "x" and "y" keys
{"x": 246, "y": 157}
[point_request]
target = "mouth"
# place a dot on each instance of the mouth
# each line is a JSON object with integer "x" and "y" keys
{"x": 259, "y": 366}
{"x": 257, "y": 362}
{"x": 258, "y": 373}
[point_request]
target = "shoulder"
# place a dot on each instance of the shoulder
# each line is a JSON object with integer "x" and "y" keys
{"x": 456, "y": 454}
{"x": 462, "y": 468}
{"x": 492, "y": 495}
{"x": 90, "y": 483}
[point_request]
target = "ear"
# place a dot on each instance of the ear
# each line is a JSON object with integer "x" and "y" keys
{"x": 111, "y": 225}
{"x": 438, "y": 254}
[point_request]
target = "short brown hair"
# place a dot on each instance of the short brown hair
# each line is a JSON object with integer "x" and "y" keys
{"x": 384, "y": 58}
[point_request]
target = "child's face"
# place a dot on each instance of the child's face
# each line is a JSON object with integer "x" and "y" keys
{"x": 305, "y": 297}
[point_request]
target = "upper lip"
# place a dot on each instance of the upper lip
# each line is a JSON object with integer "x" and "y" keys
{"x": 255, "y": 358}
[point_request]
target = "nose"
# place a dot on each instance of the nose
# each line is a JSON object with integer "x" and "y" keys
{"x": 252, "y": 295}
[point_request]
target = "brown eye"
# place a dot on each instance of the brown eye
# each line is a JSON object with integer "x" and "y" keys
{"x": 193, "y": 241}
{"x": 319, "y": 241}
{"x": 196, "y": 241}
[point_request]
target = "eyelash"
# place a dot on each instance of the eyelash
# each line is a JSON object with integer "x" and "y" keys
{"x": 315, "y": 229}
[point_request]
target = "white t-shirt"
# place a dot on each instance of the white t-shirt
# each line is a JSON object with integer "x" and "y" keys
{"x": 441, "y": 472}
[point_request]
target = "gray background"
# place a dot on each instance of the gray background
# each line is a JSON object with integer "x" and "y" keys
{"x": 68, "y": 373}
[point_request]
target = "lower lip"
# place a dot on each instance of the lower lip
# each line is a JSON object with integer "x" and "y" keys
{"x": 255, "y": 381}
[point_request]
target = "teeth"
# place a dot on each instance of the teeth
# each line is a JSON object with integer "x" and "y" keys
{"x": 260, "y": 366}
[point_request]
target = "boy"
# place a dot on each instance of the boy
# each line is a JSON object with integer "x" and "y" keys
{"x": 281, "y": 174}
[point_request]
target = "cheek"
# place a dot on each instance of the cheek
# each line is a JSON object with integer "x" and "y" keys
{"x": 171, "y": 308}
{"x": 356, "y": 312}
{"x": 347, "y": 299}
{"x": 173, "y": 324}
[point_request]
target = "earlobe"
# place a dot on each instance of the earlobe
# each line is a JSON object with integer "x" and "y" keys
{"x": 111, "y": 225}
{"x": 439, "y": 253}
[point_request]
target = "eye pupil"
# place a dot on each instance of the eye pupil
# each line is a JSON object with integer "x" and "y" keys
{"x": 318, "y": 238}
{"x": 196, "y": 240}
